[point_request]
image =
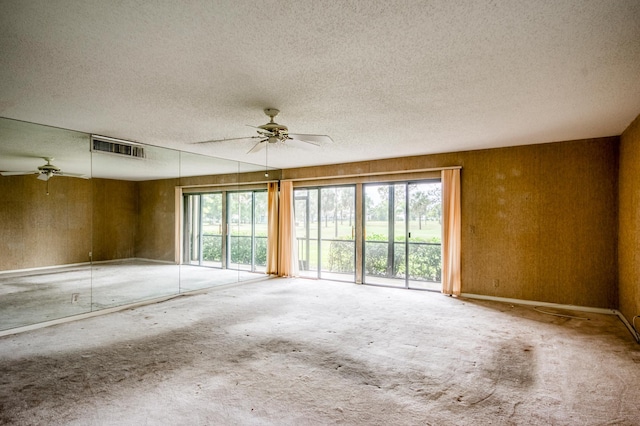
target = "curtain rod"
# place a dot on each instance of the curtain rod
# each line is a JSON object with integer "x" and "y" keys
{"x": 208, "y": 185}
{"x": 400, "y": 172}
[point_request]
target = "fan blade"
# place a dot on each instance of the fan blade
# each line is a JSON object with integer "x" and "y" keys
{"x": 261, "y": 130}
{"x": 311, "y": 138}
{"x": 225, "y": 140}
{"x": 257, "y": 147}
{"x": 75, "y": 175}
{"x": 18, "y": 173}
{"x": 300, "y": 140}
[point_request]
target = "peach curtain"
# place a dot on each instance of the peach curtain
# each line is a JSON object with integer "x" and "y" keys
{"x": 272, "y": 228}
{"x": 451, "y": 232}
{"x": 287, "y": 243}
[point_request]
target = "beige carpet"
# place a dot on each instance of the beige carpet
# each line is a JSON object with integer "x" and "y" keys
{"x": 302, "y": 352}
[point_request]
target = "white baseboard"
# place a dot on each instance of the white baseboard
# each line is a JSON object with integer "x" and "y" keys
{"x": 535, "y": 303}
{"x": 605, "y": 311}
{"x": 134, "y": 259}
{"x": 44, "y": 268}
{"x": 75, "y": 265}
{"x": 633, "y": 331}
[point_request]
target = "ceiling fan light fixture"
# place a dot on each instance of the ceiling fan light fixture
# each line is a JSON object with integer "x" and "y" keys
{"x": 45, "y": 175}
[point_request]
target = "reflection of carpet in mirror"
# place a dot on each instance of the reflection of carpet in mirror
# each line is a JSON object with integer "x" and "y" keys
{"x": 35, "y": 296}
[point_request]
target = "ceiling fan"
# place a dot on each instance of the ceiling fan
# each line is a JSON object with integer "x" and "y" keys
{"x": 274, "y": 133}
{"x": 46, "y": 172}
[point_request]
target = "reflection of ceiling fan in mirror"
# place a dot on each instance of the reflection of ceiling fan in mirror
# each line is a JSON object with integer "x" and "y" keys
{"x": 274, "y": 133}
{"x": 46, "y": 172}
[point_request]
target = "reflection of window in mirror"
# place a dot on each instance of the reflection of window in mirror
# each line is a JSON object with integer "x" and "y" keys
{"x": 118, "y": 235}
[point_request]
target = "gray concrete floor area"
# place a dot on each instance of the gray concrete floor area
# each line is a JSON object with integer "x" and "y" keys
{"x": 312, "y": 352}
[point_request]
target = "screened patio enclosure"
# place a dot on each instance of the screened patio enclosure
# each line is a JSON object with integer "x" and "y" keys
{"x": 400, "y": 225}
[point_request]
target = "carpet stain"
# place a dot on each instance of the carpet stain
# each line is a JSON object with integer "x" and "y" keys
{"x": 62, "y": 382}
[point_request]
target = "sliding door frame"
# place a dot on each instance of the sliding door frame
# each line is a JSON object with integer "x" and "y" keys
{"x": 391, "y": 232}
{"x": 318, "y": 237}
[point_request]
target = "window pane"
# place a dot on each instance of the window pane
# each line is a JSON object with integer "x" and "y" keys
{"x": 260, "y": 231}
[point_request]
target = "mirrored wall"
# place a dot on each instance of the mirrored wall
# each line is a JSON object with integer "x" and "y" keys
{"x": 84, "y": 228}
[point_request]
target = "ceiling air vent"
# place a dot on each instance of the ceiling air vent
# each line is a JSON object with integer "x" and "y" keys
{"x": 116, "y": 146}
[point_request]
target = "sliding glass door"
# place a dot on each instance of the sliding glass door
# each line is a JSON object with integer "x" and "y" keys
{"x": 325, "y": 230}
{"x": 307, "y": 231}
{"x": 401, "y": 228}
{"x": 247, "y": 237}
{"x": 402, "y": 234}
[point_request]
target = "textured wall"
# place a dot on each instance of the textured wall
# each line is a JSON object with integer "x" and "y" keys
{"x": 539, "y": 222}
{"x": 39, "y": 230}
{"x": 115, "y": 219}
{"x": 629, "y": 226}
{"x": 155, "y": 238}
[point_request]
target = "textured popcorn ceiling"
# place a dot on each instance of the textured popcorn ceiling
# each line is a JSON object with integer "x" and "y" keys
{"x": 383, "y": 79}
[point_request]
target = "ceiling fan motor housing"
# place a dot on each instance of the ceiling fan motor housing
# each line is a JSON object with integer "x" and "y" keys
{"x": 275, "y": 128}
{"x": 278, "y": 131}
{"x": 48, "y": 168}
